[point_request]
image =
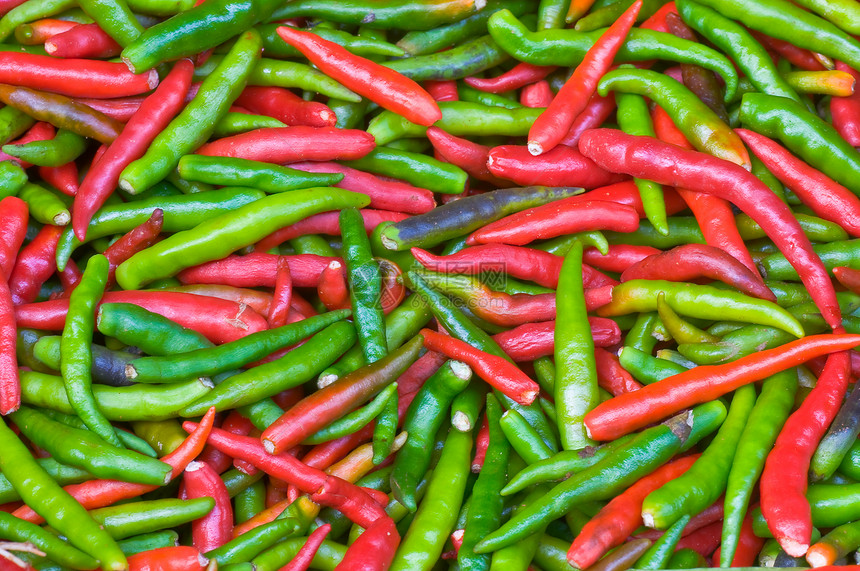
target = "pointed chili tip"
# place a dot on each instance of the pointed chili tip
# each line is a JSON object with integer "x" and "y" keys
{"x": 535, "y": 148}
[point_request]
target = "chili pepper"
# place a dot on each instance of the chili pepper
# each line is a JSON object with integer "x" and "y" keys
{"x": 284, "y": 105}
{"x": 61, "y": 111}
{"x": 168, "y": 559}
{"x": 562, "y": 166}
{"x": 57, "y": 550}
{"x": 230, "y": 232}
{"x": 576, "y": 382}
{"x": 424, "y": 540}
{"x": 82, "y": 448}
{"x": 389, "y": 89}
{"x": 522, "y": 263}
{"x": 66, "y": 146}
{"x": 163, "y": 336}
{"x": 524, "y": 439}
{"x": 132, "y": 242}
{"x": 808, "y": 30}
{"x": 469, "y": 156}
{"x": 131, "y": 441}
{"x": 830, "y": 200}
{"x": 14, "y": 177}
{"x": 442, "y": 90}
{"x": 470, "y": 57}
{"x": 520, "y": 75}
{"x": 705, "y": 130}
{"x": 558, "y": 218}
{"x": 255, "y": 270}
{"x": 86, "y": 41}
{"x": 266, "y": 177}
{"x": 561, "y": 47}
{"x": 465, "y": 215}
{"x": 835, "y": 444}
{"x": 843, "y": 110}
{"x": 788, "y": 516}
{"x": 215, "y": 528}
{"x": 836, "y": 544}
{"x": 39, "y": 31}
{"x": 536, "y": 95}
{"x": 13, "y": 223}
{"x": 335, "y": 399}
{"x": 151, "y": 118}
{"x": 292, "y": 144}
{"x": 686, "y": 299}
{"x": 780, "y": 227}
{"x": 549, "y": 129}
{"x": 413, "y": 168}
{"x": 44, "y": 206}
{"x": 629, "y": 462}
{"x": 67, "y": 516}
{"x": 801, "y": 132}
{"x": 183, "y": 134}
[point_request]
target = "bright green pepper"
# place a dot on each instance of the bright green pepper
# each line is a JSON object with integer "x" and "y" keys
{"x": 229, "y": 171}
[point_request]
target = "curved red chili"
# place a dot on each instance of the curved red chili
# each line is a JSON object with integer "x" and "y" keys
{"x": 280, "y": 308}
{"x": 518, "y": 76}
{"x": 596, "y": 112}
{"x": 215, "y": 528}
{"x": 845, "y": 111}
{"x": 648, "y": 158}
{"x": 87, "y": 41}
{"x": 305, "y": 556}
{"x": 611, "y": 376}
{"x": 285, "y": 106}
{"x": 618, "y": 257}
{"x": 292, "y": 144}
{"x": 374, "y": 549}
{"x": 14, "y": 215}
{"x": 64, "y": 177}
{"x": 133, "y": 241}
{"x": 469, "y": 156}
{"x": 332, "y": 288}
{"x": 383, "y": 86}
{"x": 530, "y": 341}
{"x": 537, "y": 95}
{"x": 561, "y": 166}
{"x": 35, "y": 264}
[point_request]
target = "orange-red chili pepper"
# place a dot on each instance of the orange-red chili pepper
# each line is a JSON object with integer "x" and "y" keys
{"x": 518, "y": 76}
{"x": 561, "y": 166}
{"x": 302, "y": 560}
{"x": 257, "y": 270}
{"x": 537, "y": 94}
{"x": 442, "y": 90}
{"x": 87, "y": 41}
{"x": 325, "y": 223}
{"x": 36, "y": 262}
{"x": 64, "y": 177}
{"x": 133, "y": 241}
{"x": 628, "y": 412}
{"x": 171, "y": 558}
{"x": 618, "y": 258}
{"x": 282, "y": 297}
{"x": 292, "y": 144}
{"x": 469, "y": 156}
{"x": 383, "y": 86}
{"x": 611, "y": 376}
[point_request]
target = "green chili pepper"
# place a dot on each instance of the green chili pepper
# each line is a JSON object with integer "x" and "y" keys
{"x": 44, "y": 206}
{"x": 250, "y": 544}
{"x": 401, "y": 14}
{"x": 705, "y": 302}
{"x": 524, "y": 439}
{"x": 228, "y": 171}
{"x": 31, "y": 11}
{"x": 576, "y": 372}
{"x": 224, "y": 234}
{"x": 686, "y": 558}
{"x": 422, "y": 545}
{"x": 13, "y": 122}
{"x": 845, "y": 253}
{"x": 65, "y": 147}
{"x": 49, "y": 500}
{"x": 804, "y": 133}
{"x": 108, "y": 366}
{"x": 60, "y": 473}
{"x": 354, "y": 421}
{"x": 467, "y": 406}
{"x": 385, "y": 429}
{"x": 464, "y": 60}
{"x": 645, "y": 368}
{"x": 12, "y": 178}
{"x": 816, "y": 229}
{"x": 565, "y": 47}
{"x": 606, "y": 15}
{"x": 705, "y": 481}
{"x": 414, "y": 168}
{"x": 249, "y": 502}
{"x": 194, "y": 124}
{"x": 459, "y": 118}
{"x": 19, "y": 530}
{"x": 214, "y": 360}
{"x": 660, "y": 552}
{"x": 86, "y": 450}
{"x": 152, "y": 333}
{"x": 164, "y": 435}
{"x": 473, "y": 95}
{"x": 138, "y": 402}
{"x": 517, "y": 557}
{"x": 75, "y": 357}
{"x": 327, "y": 557}
{"x": 294, "y": 368}
{"x": 268, "y": 72}
{"x": 126, "y": 520}
{"x": 148, "y": 541}
{"x": 682, "y": 331}
{"x": 128, "y": 439}
{"x": 233, "y": 123}
{"x": 115, "y": 18}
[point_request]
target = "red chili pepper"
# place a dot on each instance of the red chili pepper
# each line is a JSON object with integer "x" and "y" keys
{"x": 215, "y": 528}
{"x": 219, "y": 320}
{"x": 74, "y": 77}
{"x": 798, "y": 57}
{"x": 749, "y": 545}
{"x": 482, "y": 441}
{"x": 679, "y": 167}
{"x": 499, "y": 373}
{"x": 259, "y": 301}
{"x": 286, "y": 106}
{"x": 628, "y": 412}
{"x": 153, "y": 116}
{"x": 784, "y": 479}
{"x": 10, "y": 386}
{"x": 64, "y": 177}
{"x": 824, "y": 196}
{"x": 83, "y": 41}
{"x": 692, "y": 261}
{"x": 302, "y": 560}
{"x": 618, "y": 519}
{"x": 611, "y": 376}
{"x": 293, "y": 144}
{"x": 848, "y": 277}
{"x": 703, "y": 541}
{"x": 443, "y": 90}
{"x": 518, "y": 76}
{"x": 529, "y": 341}
{"x": 537, "y": 95}
{"x": 134, "y": 241}
{"x": 709, "y": 515}
{"x": 121, "y": 108}
{"x": 332, "y": 288}
{"x": 171, "y": 558}
{"x": 40, "y": 31}
{"x": 14, "y": 215}
{"x": 353, "y": 501}
{"x": 280, "y": 307}
{"x": 618, "y": 258}
{"x": 596, "y": 112}
{"x": 70, "y": 277}
{"x": 557, "y": 218}
{"x": 561, "y": 166}
{"x": 845, "y": 111}
{"x": 257, "y": 270}
{"x": 469, "y": 156}
{"x": 385, "y": 87}
{"x": 522, "y": 263}
{"x": 657, "y": 21}
{"x": 35, "y": 264}
{"x": 374, "y": 549}
{"x": 384, "y": 193}
{"x": 100, "y": 493}
{"x": 552, "y": 125}
{"x": 326, "y": 223}
{"x": 714, "y": 215}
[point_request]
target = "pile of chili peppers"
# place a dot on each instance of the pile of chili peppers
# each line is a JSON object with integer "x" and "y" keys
{"x": 428, "y": 284}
